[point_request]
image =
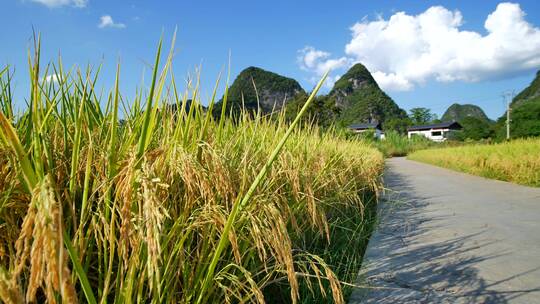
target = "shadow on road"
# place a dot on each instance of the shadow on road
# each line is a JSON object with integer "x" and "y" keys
{"x": 404, "y": 266}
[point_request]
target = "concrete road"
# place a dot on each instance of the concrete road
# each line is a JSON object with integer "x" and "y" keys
{"x": 449, "y": 237}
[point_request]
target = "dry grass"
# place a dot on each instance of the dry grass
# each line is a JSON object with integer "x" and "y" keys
{"x": 517, "y": 161}
{"x": 172, "y": 207}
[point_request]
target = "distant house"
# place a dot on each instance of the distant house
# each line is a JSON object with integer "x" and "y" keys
{"x": 435, "y": 132}
{"x": 363, "y": 127}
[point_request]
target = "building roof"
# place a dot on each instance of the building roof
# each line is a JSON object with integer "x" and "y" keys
{"x": 450, "y": 125}
{"x": 365, "y": 126}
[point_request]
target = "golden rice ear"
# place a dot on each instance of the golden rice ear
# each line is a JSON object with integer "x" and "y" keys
{"x": 41, "y": 244}
{"x": 152, "y": 219}
{"x": 10, "y": 292}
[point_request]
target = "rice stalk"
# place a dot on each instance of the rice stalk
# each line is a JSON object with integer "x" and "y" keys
{"x": 173, "y": 206}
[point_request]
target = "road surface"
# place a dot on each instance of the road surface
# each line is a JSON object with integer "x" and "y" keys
{"x": 449, "y": 237}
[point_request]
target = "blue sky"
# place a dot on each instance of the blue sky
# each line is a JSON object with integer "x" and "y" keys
{"x": 277, "y": 35}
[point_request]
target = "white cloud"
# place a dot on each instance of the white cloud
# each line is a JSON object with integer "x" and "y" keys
{"x": 313, "y": 60}
{"x": 51, "y": 78}
{"x": 408, "y": 50}
{"x": 107, "y": 21}
{"x": 392, "y": 81}
{"x": 59, "y": 3}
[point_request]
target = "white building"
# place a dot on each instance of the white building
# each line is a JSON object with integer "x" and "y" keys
{"x": 435, "y": 132}
{"x": 363, "y": 127}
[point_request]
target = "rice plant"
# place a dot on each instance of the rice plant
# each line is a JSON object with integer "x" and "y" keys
{"x": 109, "y": 200}
{"x": 394, "y": 144}
{"x": 516, "y": 161}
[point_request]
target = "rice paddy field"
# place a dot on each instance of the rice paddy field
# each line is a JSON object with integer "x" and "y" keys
{"x": 517, "y": 161}
{"x": 110, "y": 200}
{"x": 395, "y": 144}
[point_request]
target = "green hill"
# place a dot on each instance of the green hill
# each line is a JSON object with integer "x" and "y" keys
{"x": 476, "y": 125}
{"x": 355, "y": 97}
{"x": 457, "y": 112}
{"x": 360, "y": 99}
{"x": 529, "y": 93}
{"x": 272, "y": 90}
{"x": 524, "y": 114}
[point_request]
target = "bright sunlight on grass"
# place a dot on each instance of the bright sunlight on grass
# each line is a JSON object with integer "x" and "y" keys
{"x": 516, "y": 161}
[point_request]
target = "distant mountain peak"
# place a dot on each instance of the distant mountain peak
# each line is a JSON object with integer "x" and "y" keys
{"x": 271, "y": 90}
{"x": 251, "y": 69}
{"x": 355, "y": 97}
{"x": 458, "y": 112}
{"x": 361, "y": 99}
{"x": 356, "y": 77}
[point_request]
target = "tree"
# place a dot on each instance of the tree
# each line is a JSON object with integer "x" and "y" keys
{"x": 399, "y": 125}
{"x": 474, "y": 128}
{"x": 435, "y": 118}
{"x": 323, "y": 110}
{"x": 421, "y": 116}
{"x": 525, "y": 120}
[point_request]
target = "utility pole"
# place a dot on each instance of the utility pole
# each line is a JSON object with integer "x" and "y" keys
{"x": 508, "y": 97}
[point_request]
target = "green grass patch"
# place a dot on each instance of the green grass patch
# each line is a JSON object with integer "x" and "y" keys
{"x": 395, "y": 144}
